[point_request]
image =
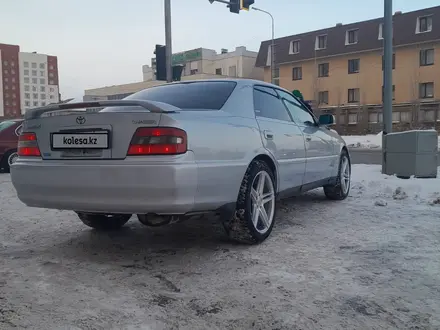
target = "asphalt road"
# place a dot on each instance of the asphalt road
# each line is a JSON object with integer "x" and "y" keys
{"x": 369, "y": 156}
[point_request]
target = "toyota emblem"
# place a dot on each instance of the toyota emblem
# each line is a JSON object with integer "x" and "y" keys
{"x": 80, "y": 120}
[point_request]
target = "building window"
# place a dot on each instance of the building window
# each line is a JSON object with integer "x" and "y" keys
{"x": 42, "y": 88}
{"x": 297, "y": 73}
{"x": 424, "y": 24}
{"x": 26, "y": 80}
{"x": 13, "y": 87}
{"x": 12, "y": 71}
{"x": 276, "y": 73}
{"x": 426, "y": 57}
{"x": 394, "y": 62}
{"x": 232, "y": 71}
{"x": 217, "y": 71}
{"x": 35, "y": 96}
{"x": 352, "y": 118}
{"x": 323, "y": 97}
{"x": 406, "y": 117}
{"x": 26, "y": 64}
{"x": 383, "y": 92}
{"x": 51, "y": 90}
{"x": 34, "y": 88}
{"x": 6, "y": 71}
{"x": 5, "y": 63}
{"x": 353, "y": 65}
{"x": 34, "y": 65}
{"x": 428, "y": 115}
{"x": 294, "y": 47}
{"x": 42, "y": 66}
{"x": 50, "y": 74}
{"x": 353, "y": 95}
{"x": 323, "y": 69}
{"x": 27, "y": 103}
{"x": 42, "y": 81}
{"x": 321, "y": 42}
{"x": 13, "y": 64}
{"x": 34, "y": 72}
{"x": 14, "y": 95}
{"x": 51, "y": 82}
{"x": 6, "y": 87}
{"x": 42, "y": 74}
{"x": 26, "y": 72}
{"x": 426, "y": 90}
{"x": 43, "y": 96}
{"x": 43, "y": 104}
{"x": 13, "y": 80}
{"x": 51, "y": 66}
{"x": 26, "y": 88}
{"x": 372, "y": 117}
{"x": 34, "y": 80}
{"x": 27, "y": 95}
{"x": 352, "y": 37}
{"x": 35, "y": 103}
{"x": 6, "y": 79}
{"x": 51, "y": 97}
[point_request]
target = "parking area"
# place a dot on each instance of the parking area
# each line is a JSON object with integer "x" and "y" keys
{"x": 369, "y": 262}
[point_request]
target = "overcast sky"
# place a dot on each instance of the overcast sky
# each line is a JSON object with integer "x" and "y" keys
{"x": 106, "y": 42}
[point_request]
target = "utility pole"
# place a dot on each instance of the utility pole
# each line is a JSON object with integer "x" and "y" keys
{"x": 168, "y": 48}
{"x": 272, "y": 46}
{"x": 387, "y": 79}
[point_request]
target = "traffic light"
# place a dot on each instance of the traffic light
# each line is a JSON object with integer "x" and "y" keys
{"x": 245, "y": 4}
{"x": 161, "y": 63}
{"x": 234, "y": 6}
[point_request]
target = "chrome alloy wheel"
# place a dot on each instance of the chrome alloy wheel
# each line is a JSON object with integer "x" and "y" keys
{"x": 345, "y": 174}
{"x": 12, "y": 158}
{"x": 262, "y": 202}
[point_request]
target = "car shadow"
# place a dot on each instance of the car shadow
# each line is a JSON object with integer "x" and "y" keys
{"x": 138, "y": 246}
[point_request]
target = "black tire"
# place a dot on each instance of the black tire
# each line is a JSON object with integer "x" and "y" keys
{"x": 5, "y": 161}
{"x": 240, "y": 227}
{"x": 104, "y": 221}
{"x": 336, "y": 191}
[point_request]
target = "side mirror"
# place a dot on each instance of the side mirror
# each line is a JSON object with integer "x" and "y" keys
{"x": 326, "y": 120}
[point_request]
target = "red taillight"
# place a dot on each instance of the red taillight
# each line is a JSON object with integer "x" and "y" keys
{"x": 158, "y": 141}
{"x": 28, "y": 146}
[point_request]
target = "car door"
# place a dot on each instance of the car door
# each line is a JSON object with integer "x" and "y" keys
{"x": 281, "y": 137}
{"x": 320, "y": 154}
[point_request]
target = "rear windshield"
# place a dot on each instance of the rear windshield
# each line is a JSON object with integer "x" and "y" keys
{"x": 204, "y": 95}
{"x": 5, "y": 124}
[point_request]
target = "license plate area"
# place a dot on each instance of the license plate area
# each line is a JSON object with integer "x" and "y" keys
{"x": 80, "y": 142}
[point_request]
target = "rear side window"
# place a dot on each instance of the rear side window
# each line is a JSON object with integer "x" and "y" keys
{"x": 5, "y": 124}
{"x": 267, "y": 104}
{"x": 202, "y": 95}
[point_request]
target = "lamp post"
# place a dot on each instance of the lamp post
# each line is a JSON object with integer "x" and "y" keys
{"x": 272, "y": 47}
{"x": 387, "y": 79}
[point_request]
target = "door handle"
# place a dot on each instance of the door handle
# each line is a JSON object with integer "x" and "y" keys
{"x": 308, "y": 139}
{"x": 268, "y": 135}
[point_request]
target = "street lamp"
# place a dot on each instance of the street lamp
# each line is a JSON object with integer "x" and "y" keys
{"x": 272, "y": 47}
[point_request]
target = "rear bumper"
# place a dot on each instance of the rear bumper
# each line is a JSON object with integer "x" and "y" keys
{"x": 132, "y": 185}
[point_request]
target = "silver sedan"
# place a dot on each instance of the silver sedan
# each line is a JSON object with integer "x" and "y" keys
{"x": 180, "y": 150}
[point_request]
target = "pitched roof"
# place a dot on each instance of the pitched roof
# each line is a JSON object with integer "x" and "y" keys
{"x": 404, "y": 26}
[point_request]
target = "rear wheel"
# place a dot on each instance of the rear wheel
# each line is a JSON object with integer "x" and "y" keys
{"x": 254, "y": 215}
{"x": 8, "y": 159}
{"x": 341, "y": 188}
{"x": 104, "y": 221}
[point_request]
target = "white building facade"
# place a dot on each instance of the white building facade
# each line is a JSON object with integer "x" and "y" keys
{"x": 38, "y": 80}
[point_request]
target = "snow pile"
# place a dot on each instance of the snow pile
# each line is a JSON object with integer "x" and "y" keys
{"x": 383, "y": 190}
{"x": 364, "y": 141}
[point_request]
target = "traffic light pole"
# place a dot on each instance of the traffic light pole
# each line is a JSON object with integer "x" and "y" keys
{"x": 168, "y": 48}
{"x": 387, "y": 79}
{"x": 272, "y": 47}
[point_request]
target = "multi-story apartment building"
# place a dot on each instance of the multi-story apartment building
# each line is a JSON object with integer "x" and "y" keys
{"x": 200, "y": 63}
{"x": 340, "y": 69}
{"x": 27, "y": 80}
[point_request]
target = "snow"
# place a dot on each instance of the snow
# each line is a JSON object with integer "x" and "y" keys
{"x": 369, "y": 141}
{"x": 368, "y": 262}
